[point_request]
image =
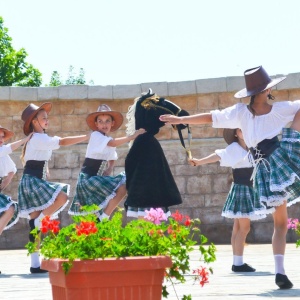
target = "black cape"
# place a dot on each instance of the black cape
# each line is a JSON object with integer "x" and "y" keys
{"x": 149, "y": 180}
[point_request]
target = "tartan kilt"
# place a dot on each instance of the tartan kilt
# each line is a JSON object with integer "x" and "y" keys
{"x": 36, "y": 194}
{"x": 5, "y": 204}
{"x": 278, "y": 176}
{"x": 242, "y": 202}
{"x": 97, "y": 190}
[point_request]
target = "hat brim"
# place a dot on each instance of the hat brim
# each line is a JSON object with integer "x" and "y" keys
{"x": 229, "y": 135}
{"x": 245, "y": 93}
{"x": 47, "y": 106}
{"x": 117, "y": 118}
{"x": 7, "y": 134}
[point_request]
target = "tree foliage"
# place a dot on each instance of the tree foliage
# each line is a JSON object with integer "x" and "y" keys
{"x": 14, "y": 70}
{"x": 72, "y": 78}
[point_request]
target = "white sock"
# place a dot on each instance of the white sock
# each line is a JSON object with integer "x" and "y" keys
{"x": 104, "y": 216}
{"x": 238, "y": 260}
{"x": 279, "y": 264}
{"x": 35, "y": 260}
{"x": 37, "y": 221}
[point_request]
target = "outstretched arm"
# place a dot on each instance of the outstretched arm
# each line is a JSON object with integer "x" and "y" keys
{"x": 205, "y": 118}
{"x": 122, "y": 140}
{"x": 212, "y": 158}
{"x": 17, "y": 144}
{"x": 71, "y": 140}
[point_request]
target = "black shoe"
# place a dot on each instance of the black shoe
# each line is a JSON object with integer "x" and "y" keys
{"x": 283, "y": 282}
{"x": 37, "y": 270}
{"x": 242, "y": 268}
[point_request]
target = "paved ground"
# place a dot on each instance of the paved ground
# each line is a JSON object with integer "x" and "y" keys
{"x": 17, "y": 283}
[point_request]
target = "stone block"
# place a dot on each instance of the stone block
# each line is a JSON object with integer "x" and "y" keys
{"x": 215, "y": 200}
{"x": 181, "y": 183}
{"x": 127, "y": 91}
{"x": 207, "y": 101}
{"x": 73, "y": 92}
{"x": 66, "y": 160}
{"x": 182, "y": 88}
{"x": 211, "y": 85}
{"x": 221, "y": 183}
{"x": 194, "y": 200}
{"x": 188, "y": 103}
{"x": 226, "y": 100}
{"x": 185, "y": 170}
{"x": 293, "y": 95}
{"x": 210, "y": 215}
{"x": 199, "y": 184}
{"x": 292, "y": 81}
{"x": 60, "y": 174}
{"x": 235, "y": 83}
{"x": 100, "y": 92}
{"x": 47, "y": 93}
{"x": 4, "y": 93}
{"x": 23, "y": 93}
{"x": 159, "y": 88}
{"x": 217, "y": 234}
{"x": 73, "y": 123}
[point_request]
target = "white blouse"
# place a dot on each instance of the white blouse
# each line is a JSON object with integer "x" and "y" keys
{"x": 234, "y": 156}
{"x": 40, "y": 147}
{"x": 256, "y": 128}
{"x": 6, "y": 163}
{"x": 97, "y": 147}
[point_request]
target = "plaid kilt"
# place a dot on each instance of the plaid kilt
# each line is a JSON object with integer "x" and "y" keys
{"x": 97, "y": 190}
{"x": 136, "y": 212}
{"x": 5, "y": 204}
{"x": 242, "y": 202}
{"x": 277, "y": 178}
{"x": 36, "y": 194}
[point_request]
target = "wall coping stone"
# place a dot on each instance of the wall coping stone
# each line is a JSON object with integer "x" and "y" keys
{"x": 165, "y": 89}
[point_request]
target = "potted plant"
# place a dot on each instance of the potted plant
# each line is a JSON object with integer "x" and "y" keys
{"x": 107, "y": 260}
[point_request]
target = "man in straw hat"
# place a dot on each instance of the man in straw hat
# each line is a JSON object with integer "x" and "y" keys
{"x": 37, "y": 196}
{"x": 277, "y": 182}
{"x": 242, "y": 201}
{"x": 96, "y": 184}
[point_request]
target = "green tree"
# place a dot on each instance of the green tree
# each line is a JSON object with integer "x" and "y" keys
{"x": 55, "y": 79}
{"x": 14, "y": 70}
{"x": 72, "y": 78}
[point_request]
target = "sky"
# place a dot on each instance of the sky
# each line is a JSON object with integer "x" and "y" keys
{"x": 141, "y": 41}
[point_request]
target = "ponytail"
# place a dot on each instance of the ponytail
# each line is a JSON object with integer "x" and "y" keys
{"x": 250, "y": 105}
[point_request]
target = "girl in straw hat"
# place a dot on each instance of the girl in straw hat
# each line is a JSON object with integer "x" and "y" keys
{"x": 37, "y": 196}
{"x": 9, "y": 211}
{"x": 277, "y": 169}
{"x": 242, "y": 201}
{"x": 95, "y": 183}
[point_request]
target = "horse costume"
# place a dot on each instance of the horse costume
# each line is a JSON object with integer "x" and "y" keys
{"x": 149, "y": 181}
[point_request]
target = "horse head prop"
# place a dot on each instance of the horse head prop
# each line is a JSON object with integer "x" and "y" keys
{"x": 145, "y": 113}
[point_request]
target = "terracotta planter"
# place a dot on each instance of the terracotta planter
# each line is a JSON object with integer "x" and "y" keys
{"x": 130, "y": 278}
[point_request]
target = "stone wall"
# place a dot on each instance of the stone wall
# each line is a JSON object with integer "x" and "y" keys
{"x": 204, "y": 189}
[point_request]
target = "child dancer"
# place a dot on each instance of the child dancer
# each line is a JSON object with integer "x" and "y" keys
{"x": 9, "y": 211}
{"x": 95, "y": 184}
{"x": 240, "y": 203}
{"x": 37, "y": 196}
{"x": 277, "y": 172}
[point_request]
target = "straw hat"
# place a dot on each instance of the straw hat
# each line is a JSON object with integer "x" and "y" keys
{"x": 257, "y": 80}
{"x": 7, "y": 133}
{"x": 105, "y": 110}
{"x": 30, "y": 112}
{"x": 229, "y": 135}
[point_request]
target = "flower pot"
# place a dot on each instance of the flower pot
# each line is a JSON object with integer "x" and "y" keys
{"x": 129, "y": 278}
